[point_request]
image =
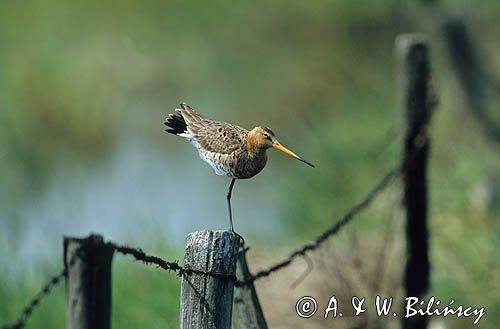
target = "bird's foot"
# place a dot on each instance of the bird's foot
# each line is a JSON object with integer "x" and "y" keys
{"x": 241, "y": 238}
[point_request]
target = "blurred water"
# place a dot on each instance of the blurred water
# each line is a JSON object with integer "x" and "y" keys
{"x": 142, "y": 195}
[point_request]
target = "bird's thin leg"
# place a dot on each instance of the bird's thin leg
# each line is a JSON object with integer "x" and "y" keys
{"x": 231, "y": 228}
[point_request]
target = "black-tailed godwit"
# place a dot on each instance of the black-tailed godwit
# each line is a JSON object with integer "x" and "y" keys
{"x": 231, "y": 150}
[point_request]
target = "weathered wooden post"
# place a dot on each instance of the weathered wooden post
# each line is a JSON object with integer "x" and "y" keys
{"x": 248, "y": 312}
{"x": 416, "y": 103}
{"x": 207, "y": 293}
{"x": 88, "y": 282}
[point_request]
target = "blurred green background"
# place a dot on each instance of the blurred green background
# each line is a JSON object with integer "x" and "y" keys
{"x": 85, "y": 87}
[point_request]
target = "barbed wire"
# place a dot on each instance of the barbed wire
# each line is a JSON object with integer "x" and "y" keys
{"x": 28, "y": 310}
{"x": 348, "y": 216}
{"x": 173, "y": 266}
{"x": 44, "y": 292}
{"x": 140, "y": 255}
{"x": 137, "y": 253}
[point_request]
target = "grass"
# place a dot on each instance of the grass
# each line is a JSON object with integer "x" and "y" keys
{"x": 151, "y": 301}
{"x": 77, "y": 77}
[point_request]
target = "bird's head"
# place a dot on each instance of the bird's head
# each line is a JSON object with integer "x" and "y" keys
{"x": 261, "y": 138}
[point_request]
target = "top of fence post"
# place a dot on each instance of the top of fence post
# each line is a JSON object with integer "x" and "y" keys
{"x": 88, "y": 265}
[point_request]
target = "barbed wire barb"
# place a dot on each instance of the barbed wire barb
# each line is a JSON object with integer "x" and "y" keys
{"x": 173, "y": 266}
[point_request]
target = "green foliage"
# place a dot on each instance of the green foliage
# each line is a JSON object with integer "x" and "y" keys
{"x": 142, "y": 297}
{"x": 77, "y": 77}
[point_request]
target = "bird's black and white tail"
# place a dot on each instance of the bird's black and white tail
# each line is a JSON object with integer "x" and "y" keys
{"x": 175, "y": 123}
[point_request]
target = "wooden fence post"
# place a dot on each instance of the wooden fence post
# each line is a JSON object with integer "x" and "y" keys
{"x": 416, "y": 103}
{"x": 247, "y": 307}
{"x": 88, "y": 282}
{"x": 207, "y": 299}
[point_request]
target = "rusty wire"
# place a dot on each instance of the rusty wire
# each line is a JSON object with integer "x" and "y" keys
{"x": 174, "y": 266}
{"x": 44, "y": 292}
{"x": 186, "y": 270}
{"x": 318, "y": 241}
{"x": 28, "y": 310}
{"x": 334, "y": 229}
{"x": 140, "y": 255}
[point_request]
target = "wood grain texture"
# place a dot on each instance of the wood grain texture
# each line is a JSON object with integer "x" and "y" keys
{"x": 207, "y": 300}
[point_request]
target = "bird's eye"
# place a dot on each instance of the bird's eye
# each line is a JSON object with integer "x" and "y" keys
{"x": 266, "y": 135}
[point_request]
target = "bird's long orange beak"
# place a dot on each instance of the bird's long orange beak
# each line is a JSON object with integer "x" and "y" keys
{"x": 283, "y": 149}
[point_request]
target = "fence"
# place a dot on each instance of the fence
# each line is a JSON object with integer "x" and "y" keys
{"x": 215, "y": 266}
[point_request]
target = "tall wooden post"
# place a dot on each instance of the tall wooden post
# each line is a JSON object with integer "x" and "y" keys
{"x": 88, "y": 282}
{"x": 416, "y": 103}
{"x": 248, "y": 312}
{"x": 207, "y": 299}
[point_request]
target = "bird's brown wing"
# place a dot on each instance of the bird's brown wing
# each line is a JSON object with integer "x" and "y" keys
{"x": 213, "y": 136}
{"x": 218, "y": 137}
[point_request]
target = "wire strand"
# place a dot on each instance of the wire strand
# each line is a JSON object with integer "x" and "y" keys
{"x": 334, "y": 229}
{"x": 174, "y": 266}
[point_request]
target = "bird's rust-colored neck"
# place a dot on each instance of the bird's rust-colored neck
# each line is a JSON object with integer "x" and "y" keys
{"x": 254, "y": 144}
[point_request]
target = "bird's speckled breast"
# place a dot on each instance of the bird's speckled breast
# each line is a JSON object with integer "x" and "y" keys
{"x": 236, "y": 165}
{"x": 250, "y": 165}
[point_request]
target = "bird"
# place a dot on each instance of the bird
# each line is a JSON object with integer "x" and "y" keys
{"x": 230, "y": 150}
